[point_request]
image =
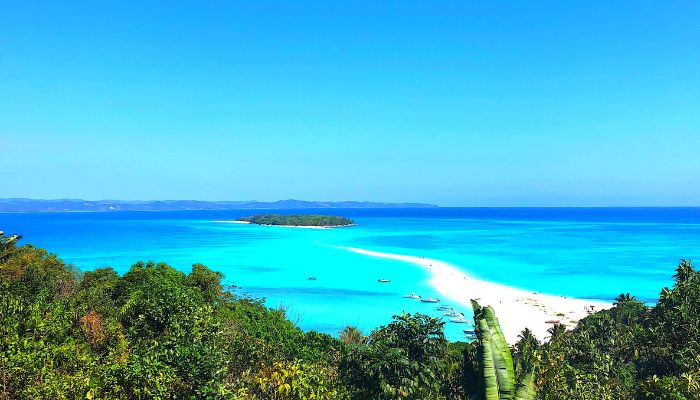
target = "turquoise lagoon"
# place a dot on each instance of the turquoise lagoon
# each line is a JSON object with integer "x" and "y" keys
{"x": 592, "y": 253}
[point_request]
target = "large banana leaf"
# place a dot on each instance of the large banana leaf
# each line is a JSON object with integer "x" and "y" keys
{"x": 496, "y": 360}
{"x": 488, "y": 364}
{"x": 504, "y": 361}
{"x": 525, "y": 389}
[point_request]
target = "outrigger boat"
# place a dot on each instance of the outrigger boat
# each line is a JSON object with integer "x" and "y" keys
{"x": 383, "y": 280}
{"x": 412, "y": 296}
{"x": 430, "y": 300}
{"x": 453, "y": 313}
{"x": 444, "y": 307}
{"x": 460, "y": 320}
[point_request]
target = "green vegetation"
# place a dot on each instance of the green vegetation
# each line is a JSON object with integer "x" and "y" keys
{"x": 298, "y": 220}
{"x": 157, "y": 333}
{"x": 496, "y": 361}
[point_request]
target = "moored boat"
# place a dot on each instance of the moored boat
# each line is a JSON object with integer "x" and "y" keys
{"x": 453, "y": 313}
{"x": 430, "y": 300}
{"x": 383, "y": 280}
{"x": 470, "y": 334}
{"x": 413, "y": 295}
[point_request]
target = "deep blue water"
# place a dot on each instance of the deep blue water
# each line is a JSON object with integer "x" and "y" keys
{"x": 579, "y": 252}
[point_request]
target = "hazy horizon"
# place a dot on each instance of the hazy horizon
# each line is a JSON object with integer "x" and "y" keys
{"x": 345, "y": 201}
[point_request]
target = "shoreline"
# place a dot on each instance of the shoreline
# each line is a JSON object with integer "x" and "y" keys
{"x": 516, "y": 309}
{"x": 287, "y": 226}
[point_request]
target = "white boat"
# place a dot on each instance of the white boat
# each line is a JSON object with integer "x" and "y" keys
{"x": 453, "y": 313}
{"x": 470, "y": 334}
{"x": 383, "y": 280}
{"x": 430, "y": 300}
{"x": 412, "y": 296}
{"x": 460, "y": 320}
{"x": 444, "y": 307}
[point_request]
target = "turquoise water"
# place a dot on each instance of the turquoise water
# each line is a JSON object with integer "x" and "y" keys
{"x": 588, "y": 253}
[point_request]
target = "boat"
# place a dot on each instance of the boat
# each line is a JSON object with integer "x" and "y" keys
{"x": 444, "y": 307}
{"x": 469, "y": 332}
{"x": 412, "y": 296}
{"x": 312, "y": 278}
{"x": 430, "y": 300}
{"x": 453, "y": 313}
{"x": 460, "y": 320}
{"x": 383, "y": 280}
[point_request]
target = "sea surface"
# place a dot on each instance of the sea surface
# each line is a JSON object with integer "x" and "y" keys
{"x": 594, "y": 253}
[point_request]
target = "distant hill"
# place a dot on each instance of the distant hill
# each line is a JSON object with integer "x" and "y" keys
{"x": 32, "y": 205}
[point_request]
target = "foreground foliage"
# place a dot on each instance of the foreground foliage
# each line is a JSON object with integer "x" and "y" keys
{"x": 158, "y": 333}
{"x": 496, "y": 361}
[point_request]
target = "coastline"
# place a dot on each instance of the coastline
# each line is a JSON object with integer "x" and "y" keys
{"x": 288, "y": 226}
{"x": 516, "y": 309}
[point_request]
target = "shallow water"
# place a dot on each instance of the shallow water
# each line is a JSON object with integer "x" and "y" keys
{"x": 589, "y": 253}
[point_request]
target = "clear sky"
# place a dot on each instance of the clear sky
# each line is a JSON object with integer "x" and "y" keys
{"x": 543, "y": 103}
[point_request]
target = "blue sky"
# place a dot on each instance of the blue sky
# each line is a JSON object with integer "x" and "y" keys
{"x": 458, "y": 103}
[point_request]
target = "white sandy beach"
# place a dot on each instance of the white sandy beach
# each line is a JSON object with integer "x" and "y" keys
{"x": 516, "y": 308}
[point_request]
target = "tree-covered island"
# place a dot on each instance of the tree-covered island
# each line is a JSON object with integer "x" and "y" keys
{"x": 315, "y": 220}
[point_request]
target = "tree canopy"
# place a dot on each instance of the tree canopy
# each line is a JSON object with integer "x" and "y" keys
{"x": 159, "y": 333}
{"x": 298, "y": 220}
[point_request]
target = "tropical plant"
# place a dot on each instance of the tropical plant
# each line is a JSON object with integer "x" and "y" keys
{"x": 291, "y": 381}
{"x": 403, "y": 360}
{"x": 498, "y": 371}
{"x": 352, "y": 335}
{"x": 7, "y": 245}
{"x": 684, "y": 271}
{"x": 623, "y": 298}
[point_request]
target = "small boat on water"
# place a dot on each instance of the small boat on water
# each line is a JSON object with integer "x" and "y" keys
{"x": 383, "y": 280}
{"x": 453, "y": 313}
{"x": 430, "y": 300}
{"x": 444, "y": 307}
{"x": 470, "y": 334}
{"x": 312, "y": 278}
{"x": 460, "y": 320}
{"x": 412, "y": 296}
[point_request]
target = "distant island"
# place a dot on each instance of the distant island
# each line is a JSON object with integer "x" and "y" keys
{"x": 75, "y": 205}
{"x": 309, "y": 220}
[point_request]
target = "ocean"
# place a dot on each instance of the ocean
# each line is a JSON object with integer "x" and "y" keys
{"x": 594, "y": 253}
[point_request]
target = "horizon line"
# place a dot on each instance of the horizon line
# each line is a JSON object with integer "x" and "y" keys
{"x": 434, "y": 205}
